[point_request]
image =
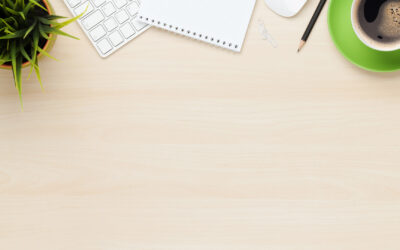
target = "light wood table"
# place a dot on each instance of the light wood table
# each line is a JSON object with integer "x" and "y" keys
{"x": 171, "y": 144}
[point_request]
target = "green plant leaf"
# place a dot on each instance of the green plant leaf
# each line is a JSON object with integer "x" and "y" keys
{"x": 46, "y": 54}
{"x": 16, "y": 62}
{"x": 27, "y": 9}
{"x": 33, "y": 65}
{"x": 5, "y": 11}
{"x": 63, "y": 24}
{"x": 4, "y": 57}
{"x": 13, "y": 19}
{"x": 22, "y": 15}
{"x": 30, "y": 28}
{"x": 46, "y": 21}
{"x": 7, "y": 24}
{"x": 35, "y": 44}
{"x": 16, "y": 34}
{"x": 3, "y": 61}
{"x": 57, "y": 31}
{"x": 54, "y": 17}
{"x": 25, "y": 54}
{"x": 37, "y": 71}
{"x": 37, "y": 4}
{"x": 8, "y": 9}
{"x": 11, "y": 4}
{"x": 42, "y": 32}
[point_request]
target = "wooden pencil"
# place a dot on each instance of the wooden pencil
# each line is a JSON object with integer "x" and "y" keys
{"x": 311, "y": 24}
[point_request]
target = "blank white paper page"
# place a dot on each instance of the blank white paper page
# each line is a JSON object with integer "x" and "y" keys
{"x": 223, "y": 23}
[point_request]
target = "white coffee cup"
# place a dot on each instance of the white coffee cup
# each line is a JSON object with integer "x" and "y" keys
{"x": 383, "y": 33}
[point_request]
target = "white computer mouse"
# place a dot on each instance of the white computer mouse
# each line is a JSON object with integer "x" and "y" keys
{"x": 286, "y": 8}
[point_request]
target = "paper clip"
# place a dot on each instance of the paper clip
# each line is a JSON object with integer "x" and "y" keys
{"x": 265, "y": 34}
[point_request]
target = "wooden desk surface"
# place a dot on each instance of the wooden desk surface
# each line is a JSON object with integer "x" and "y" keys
{"x": 172, "y": 144}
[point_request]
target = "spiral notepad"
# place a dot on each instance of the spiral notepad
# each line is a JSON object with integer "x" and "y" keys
{"x": 219, "y": 22}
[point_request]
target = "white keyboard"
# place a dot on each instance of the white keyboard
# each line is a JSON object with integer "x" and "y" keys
{"x": 109, "y": 24}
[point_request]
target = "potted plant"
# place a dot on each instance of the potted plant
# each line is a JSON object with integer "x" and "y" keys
{"x": 28, "y": 30}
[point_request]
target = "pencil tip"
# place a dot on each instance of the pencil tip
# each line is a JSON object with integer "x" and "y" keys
{"x": 301, "y": 45}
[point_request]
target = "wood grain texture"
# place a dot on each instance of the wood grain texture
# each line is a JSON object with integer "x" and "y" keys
{"x": 172, "y": 144}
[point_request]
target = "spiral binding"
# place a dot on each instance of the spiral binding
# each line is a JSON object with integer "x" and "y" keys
{"x": 190, "y": 33}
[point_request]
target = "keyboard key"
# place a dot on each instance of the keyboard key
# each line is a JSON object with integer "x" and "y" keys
{"x": 120, "y": 3}
{"x": 104, "y": 46}
{"x": 97, "y": 33}
{"x": 99, "y": 3}
{"x": 93, "y": 19}
{"x": 138, "y": 24}
{"x": 116, "y": 38}
{"x": 109, "y": 9}
{"x": 122, "y": 16}
{"x": 79, "y": 10}
{"x": 110, "y": 24}
{"x": 74, "y": 3}
{"x": 133, "y": 8}
{"x": 127, "y": 30}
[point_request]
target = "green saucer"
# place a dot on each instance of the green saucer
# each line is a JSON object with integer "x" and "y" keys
{"x": 339, "y": 22}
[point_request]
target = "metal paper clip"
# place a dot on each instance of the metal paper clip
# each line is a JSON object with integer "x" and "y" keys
{"x": 265, "y": 34}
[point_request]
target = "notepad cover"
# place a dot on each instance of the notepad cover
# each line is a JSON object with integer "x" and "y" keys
{"x": 222, "y": 23}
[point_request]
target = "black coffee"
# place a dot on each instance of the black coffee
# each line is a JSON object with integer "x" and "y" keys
{"x": 371, "y": 9}
{"x": 380, "y": 20}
